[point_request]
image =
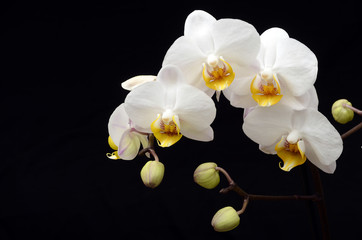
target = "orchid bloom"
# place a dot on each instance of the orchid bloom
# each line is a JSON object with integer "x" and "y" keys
{"x": 170, "y": 108}
{"x": 126, "y": 138}
{"x": 287, "y": 70}
{"x": 295, "y": 135}
{"x": 214, "y": 53}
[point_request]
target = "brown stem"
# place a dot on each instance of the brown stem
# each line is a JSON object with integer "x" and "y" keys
{"x": 226, "y": 174}
{"x": 321, "y": 204}
{"x": 356, "y": 110}
{"x": 355, "y": 128}
{"x": 245, "y": 204}
{"x": 150, "y": 148}
{"x": 234, "y": 187}
{"x": 318, "y": 197}
{"x": 351, "y": 131}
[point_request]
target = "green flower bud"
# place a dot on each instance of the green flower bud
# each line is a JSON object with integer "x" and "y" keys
{"x": 152, "y": 173}
{"x": 206, "y": 175}
{"x": 341, "y": 113}
{"x": 225, "y": 219}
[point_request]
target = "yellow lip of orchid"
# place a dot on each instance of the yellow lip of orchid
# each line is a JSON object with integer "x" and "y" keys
{"x": 267, "y": 91}
{"x": 292, "y": 154}
{"x": 217, "y": 75}
{"x": 114, "y": 155}
{"x": 166, "y": 129}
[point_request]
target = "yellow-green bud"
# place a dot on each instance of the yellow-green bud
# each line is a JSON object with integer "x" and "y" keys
{"x": 206, "y": 175}
{"x": 341, "y": 113}
{"x": 225, "y": 219}
{"x": 152, "y": 173}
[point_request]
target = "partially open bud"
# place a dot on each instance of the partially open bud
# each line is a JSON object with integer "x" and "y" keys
{"x": 225, "y": 219}
{"x": 341, "y": 113}
{"x": 206, "y": 175}
{"x": 152, "y": 173}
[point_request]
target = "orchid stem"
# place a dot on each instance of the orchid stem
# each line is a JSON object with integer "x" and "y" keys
{"x": 355, "y": 128}
{"x": 150, "y": 148}
{"x": 351, "y": 131}
{"x": 321, "y": 204}
{"x": 356, "y": 110}
{"x": 234, "y": 187}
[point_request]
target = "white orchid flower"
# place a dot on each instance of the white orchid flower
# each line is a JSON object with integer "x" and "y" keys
{"x": 287, "y": 70}
{"x": 295, "y": 135}
{"x": 170, "y": 108}
{"x": 214, "y": 53}
{"x": 125, "y": 138}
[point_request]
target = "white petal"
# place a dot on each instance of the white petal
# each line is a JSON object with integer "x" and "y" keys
{"x": 268, "y": 149}
{"x": 144, "y": 103}
{"x": 204, "y": 135}
{"x": 247, "y": 111}
{"x": 236, "y": 41}
{"x": 129, "y": 146}
{"x": 271, "y": 36}
{"x": 313, "y": 158}
{"x": 136, "y": 81}
{"x": 241, "y": 101}
{"x": 323, "y": 142}
{"x": 194, "y": 107}
{"x": 307, "y": 100}
{"x": 266, "y": 125}
{"x": 238, "y": 93}
{"x": 295, "y": 65}
{"x": 118, "y": 123}
{"x": 269, "y": 40}
{"x": 185, "y": 54}
{"x": 170, "y": 76}
{"x": 197, "y": 26}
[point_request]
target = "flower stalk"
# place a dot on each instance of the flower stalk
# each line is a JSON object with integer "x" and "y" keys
{"x": 317, "y": 197}
{"x": 234, "y": 187}
{"x": 151, "y": 148}
{"x": 355, "y": 128}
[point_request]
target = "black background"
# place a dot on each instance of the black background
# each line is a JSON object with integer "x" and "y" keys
{"x": 62, "y": 67}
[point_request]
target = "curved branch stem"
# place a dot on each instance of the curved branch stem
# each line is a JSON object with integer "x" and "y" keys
{"x": 355, "y": 128}
{"x": 247, "y": 197}
{"x": 245, "y": 204}
{"x": 150, "y": 148}
{"x": 356, "y": 110}
{"x": 351, "y": 131}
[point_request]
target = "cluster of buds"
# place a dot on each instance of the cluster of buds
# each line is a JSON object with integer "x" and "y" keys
{"x": 207, "y": 175}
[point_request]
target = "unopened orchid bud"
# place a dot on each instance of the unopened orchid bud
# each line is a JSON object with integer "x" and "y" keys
{"x": 225, "y": 219}
{"x": 152, "y": 173}
{"x": 341, "y": 113}
{"x": 206, "y": 175}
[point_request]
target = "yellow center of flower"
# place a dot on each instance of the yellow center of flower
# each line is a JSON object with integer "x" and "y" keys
{"x": 266, "y": 91}
{"x": 218, "y": 75}
{"x": 292, "y": 154}
{"x": 166, "y": 130}
{"x": 114, "y": 155}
